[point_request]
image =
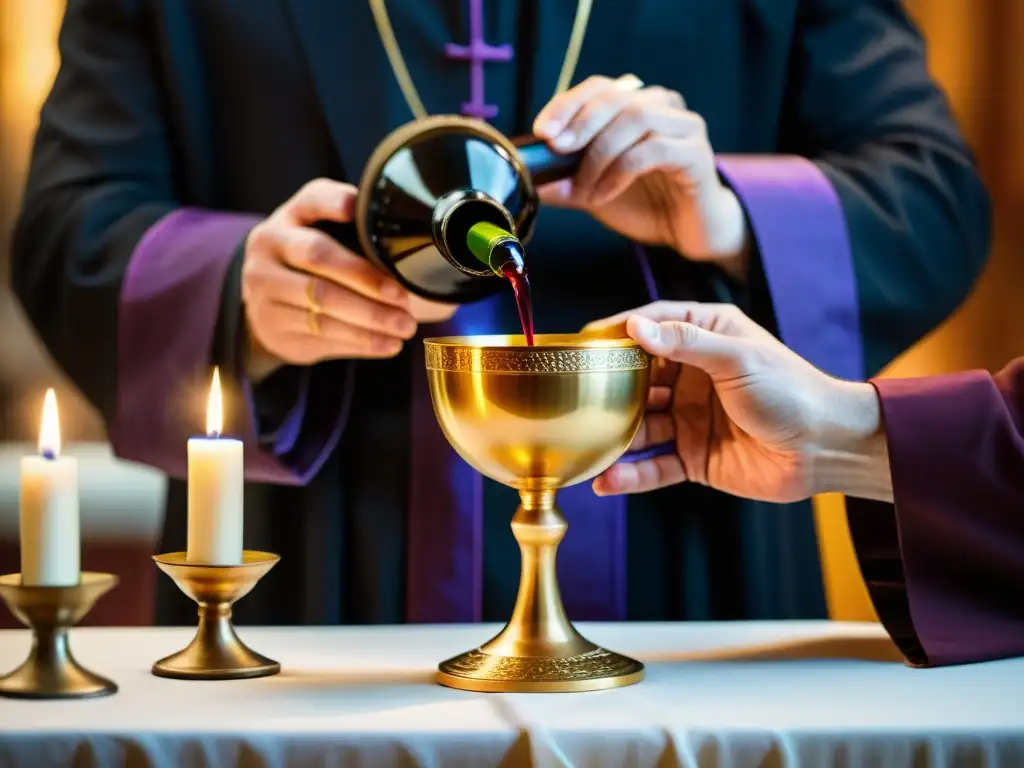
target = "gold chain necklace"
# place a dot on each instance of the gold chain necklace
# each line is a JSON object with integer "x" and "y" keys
{"x": 405, "y": 83}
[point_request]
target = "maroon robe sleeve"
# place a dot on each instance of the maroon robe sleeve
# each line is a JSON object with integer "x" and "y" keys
{"x": 946, "y": 569}
{"x": 123, "y": 282}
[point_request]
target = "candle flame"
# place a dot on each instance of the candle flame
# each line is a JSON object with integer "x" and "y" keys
{"x": 215, "y": 407}
{"x": 49, "y": 430}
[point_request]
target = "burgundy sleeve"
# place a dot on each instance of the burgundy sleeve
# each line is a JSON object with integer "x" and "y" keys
{"x": 169, "y": 305}
{"x": 956, "y": 450}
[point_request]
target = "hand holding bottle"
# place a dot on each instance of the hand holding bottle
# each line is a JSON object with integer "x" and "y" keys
{"x": 307, "y": 298}
{"x": 648, "y": 169}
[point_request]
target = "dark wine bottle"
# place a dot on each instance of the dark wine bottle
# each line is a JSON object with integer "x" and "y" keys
{"x": 431, "y": 182}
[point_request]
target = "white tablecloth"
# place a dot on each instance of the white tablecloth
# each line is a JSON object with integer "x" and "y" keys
{"x": 743, "y": 694}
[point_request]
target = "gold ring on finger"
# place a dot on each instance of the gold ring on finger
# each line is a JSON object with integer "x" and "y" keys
{"x": 314, "y": 309}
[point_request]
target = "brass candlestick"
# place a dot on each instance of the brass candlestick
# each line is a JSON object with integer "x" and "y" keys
{"x": 51, "y": 671}
{"x": 538, "y": 419}
{"x": 216, "y": 652}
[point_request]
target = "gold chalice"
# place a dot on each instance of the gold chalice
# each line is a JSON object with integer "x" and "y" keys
{"x": 538, "y": 419}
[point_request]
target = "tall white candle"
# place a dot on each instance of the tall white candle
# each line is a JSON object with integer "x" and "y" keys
{"x": 50, "y": 542}
{"x": 216, "y": 476}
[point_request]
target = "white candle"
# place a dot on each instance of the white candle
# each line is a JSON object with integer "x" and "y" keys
{"x": 216, "y": 476}
{"x": 50, "y": 543}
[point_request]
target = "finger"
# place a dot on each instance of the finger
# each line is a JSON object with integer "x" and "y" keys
{"x": 727, "y": 319}
{"x": 605, "y": 331}
{"x": 658, "y": 398}
{"x": 591, "y": 117}
{"x": 658, "y": 311}
{"x": 684, "y": 158}
{"x": 428, "y": 312}
{"x": 557, "y": 113}
{"x": 304, "y": 291}
{"x": 319, "y": 200}
{"x": 331, "y": 338}
{"x": 664, "y": 372}
{"x": 646, "y": 115}
{"x": 716, "y": 354}
{"x": 640, "y": 476}
{"x": 309, "y": 250}
{"x": 657, "y": 428}
{"x": 343, "y": 304}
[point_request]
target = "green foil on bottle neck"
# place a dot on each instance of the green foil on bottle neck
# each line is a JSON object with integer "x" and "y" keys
{"x": 483, "y": 238}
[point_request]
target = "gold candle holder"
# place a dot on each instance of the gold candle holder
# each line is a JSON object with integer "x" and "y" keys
{"x": 51, "y": 671}
{"x": 216, "y": 652}
{"x": 538, "y": 419}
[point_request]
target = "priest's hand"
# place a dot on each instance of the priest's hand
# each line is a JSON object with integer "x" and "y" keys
{"x": 745, "y": 414}
{"x": 307, "y": 298}
{"x": 426, "y": 311}
{"x": 648, "y": 169}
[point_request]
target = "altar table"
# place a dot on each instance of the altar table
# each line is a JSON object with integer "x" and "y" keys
{"x": 768, "y": 694}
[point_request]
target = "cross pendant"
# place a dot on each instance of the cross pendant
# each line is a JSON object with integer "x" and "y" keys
{"x": 477, "y": 52}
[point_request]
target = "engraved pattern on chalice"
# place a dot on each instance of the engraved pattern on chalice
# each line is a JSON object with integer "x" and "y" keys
{"x": 538, "y": 419}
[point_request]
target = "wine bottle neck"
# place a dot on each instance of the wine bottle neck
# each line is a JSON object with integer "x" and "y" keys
{"x": 495, "y": 247}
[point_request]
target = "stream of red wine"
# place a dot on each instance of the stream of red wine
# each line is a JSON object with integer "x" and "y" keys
{"x": 516, "y": 275}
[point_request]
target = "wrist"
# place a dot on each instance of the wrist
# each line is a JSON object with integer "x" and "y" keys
{"x": 729, "y": 244}
{"x": 259, "y": 363}
{"x": 851, "y": 455}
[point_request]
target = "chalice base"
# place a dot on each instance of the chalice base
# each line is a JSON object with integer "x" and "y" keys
{"x": 594, "y": 670}
{"x": 51, "y": 671}
{"x": 539, "y": 650}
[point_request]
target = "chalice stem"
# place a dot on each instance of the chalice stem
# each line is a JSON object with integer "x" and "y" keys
{"x": 539, "y": 625}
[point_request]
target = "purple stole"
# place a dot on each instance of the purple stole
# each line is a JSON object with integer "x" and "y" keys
{"x": 446, "y": 520}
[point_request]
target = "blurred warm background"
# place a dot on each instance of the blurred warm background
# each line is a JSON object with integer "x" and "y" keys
{"x": 121, "y": 504}
{"x": 974, "y": 51}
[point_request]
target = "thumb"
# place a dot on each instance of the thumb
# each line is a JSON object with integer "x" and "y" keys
{"x": 713, "y": 353}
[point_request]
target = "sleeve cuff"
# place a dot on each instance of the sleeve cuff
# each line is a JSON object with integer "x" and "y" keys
{"x": 945, "y": 591}
{"x": 170, "y": 308}
{"x": 278, "y": 406}
{"x": 797, "y": 221}
{"x": 302, "y": 435}
{"x": 876, "y": 541}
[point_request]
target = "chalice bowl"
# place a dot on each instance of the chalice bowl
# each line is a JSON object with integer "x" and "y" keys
{"x": 538, "y": 418}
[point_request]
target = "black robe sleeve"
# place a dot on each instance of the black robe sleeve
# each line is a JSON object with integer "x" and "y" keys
{"x": 134, "y": 292}
{"x": 872, "y": 224}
